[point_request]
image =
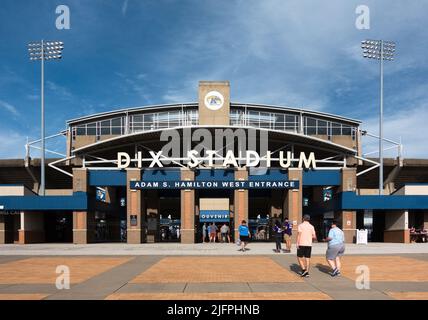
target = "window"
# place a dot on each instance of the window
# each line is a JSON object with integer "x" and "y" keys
{"x": 322, "y": 127}
{"x": 81, "y": 130}
{"x": 137, "y": 123}
{"x": 105, "y": 128}
{"x": 311, "y": 126}
{"x": 116, "y": 126}
{"x": 279, "y": 121}
{"x": 291, "y": 123}
{"x": 91, "y": 129}
{"x": 266, "y": 120}
{"x": 336, "y": 129}
{"x": 346, "y": 130}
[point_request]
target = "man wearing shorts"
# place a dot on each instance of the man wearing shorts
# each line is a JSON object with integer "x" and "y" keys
{"x": 335, "y": 249}
{"x": 305, "y": 235}
{"x": 244, "y": 235}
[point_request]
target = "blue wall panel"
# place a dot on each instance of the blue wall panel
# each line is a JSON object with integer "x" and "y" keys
{"x": 267, "y": 175}
{"x": 322, "y": 178}
{"x": 105, "y": 178}
{"x": 161, "y": 175}
{"x": 351, "y": 201}
{"x": 78, "y": 201}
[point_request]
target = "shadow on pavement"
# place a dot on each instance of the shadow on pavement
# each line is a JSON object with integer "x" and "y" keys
{"x": 323, "y": 268}
{"x": 295, "y": 268}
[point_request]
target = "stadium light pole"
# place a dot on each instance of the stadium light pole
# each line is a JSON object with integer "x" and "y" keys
{"x": 379, "y": 50}
{"x": 44, "y": 50}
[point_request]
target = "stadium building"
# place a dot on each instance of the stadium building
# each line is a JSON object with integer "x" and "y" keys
{"x": 158, "y": 173}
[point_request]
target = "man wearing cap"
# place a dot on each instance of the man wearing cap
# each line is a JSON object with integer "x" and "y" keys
{"x": 305, "y": 235}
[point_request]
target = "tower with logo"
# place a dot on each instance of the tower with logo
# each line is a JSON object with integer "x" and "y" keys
{"x": 214, "y": 102}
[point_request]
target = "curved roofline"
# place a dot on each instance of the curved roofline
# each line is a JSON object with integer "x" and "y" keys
{"x": 195, "y": 104}
{"x": 314, "y": 139}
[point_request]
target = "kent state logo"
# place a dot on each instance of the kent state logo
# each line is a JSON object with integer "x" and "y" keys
{"x": 214, "y": 100}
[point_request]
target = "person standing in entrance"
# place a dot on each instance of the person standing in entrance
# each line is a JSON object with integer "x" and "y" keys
{"x": 278, "y": 235}
{"x": 224, "y": 230}
{"x": 244, "y": 235}
{"x": 204, "y": 232}
{"x": 335, "y": 249}
{"x": 288, "y": 229}
{"x": 305, "y": 235}
{"x": 213, "y": 232}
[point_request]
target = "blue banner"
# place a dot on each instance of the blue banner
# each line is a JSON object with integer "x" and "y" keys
{"x": 214, "y": 216}
{"x": 280, "y": 184}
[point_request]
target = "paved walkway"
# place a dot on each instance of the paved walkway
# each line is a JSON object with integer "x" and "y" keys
{"x": 242, "y": 276}
{"x": 208, "y": 249}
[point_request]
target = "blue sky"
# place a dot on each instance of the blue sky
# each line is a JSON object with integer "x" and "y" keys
{"x": 121, "y": 53}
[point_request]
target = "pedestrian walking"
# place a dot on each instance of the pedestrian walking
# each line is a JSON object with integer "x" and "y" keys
{"x": 224, "y": 230}
{"x": 278, "y": 235}
{"x": 335, "y": 248}
{"x": 204, "y": 232}
{"x": 288, "y": 230}
{"x": 305, "y": 236}
{"x": 244, "y": 235}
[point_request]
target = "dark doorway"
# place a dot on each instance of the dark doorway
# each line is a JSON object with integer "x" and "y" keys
{"x": 58, "y": 227}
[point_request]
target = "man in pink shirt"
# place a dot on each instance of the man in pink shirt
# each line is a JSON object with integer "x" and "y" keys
{"x": 305, "y": 235}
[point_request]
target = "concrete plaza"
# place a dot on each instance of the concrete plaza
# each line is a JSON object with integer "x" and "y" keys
{"x": 208, "y": 271}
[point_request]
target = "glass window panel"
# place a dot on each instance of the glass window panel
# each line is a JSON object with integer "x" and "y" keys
{"x": 137, "y": 118}
{"x": 336, "y": 129}
{"x": 81, "y": 130}
{"x": 116, "y": 126}
{"x": 105, "y": 127}
{"x": 346, "y": 130}
{"x": 253, "y": 118}
{"x": 291, "y": 123}
{"x": 91, "y": 129}
{"x": 322, "y": 127}
{"x": 279, "y": 121}
{"x": 311, "y": 126}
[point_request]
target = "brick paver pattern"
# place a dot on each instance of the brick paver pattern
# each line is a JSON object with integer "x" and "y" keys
{"x": 382, "y": 268}
{"x": 43, "y": 270}
{"x": 409, "y": 295}
{"x": 222, "y": 296}
{"x": 216, "y": 269}
{"x": 22, "y": 296}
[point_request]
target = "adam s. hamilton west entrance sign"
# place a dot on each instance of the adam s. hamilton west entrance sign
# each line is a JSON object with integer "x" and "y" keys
{"x": 280, "y": 184}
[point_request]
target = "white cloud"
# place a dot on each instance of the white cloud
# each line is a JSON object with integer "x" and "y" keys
{"x": 408, "y": 124}
{"x": 12, "y": 144}
{"x": 59, "y": 90}
{"x": 125, "y": 7}
{"x": 7, "y": 106}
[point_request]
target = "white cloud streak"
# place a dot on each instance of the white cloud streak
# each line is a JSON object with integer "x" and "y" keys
{"x": 8, "y": 107}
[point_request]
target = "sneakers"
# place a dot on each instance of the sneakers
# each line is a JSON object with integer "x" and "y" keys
{"x": 335, "y": 273}
{"x": 304, "y": 274}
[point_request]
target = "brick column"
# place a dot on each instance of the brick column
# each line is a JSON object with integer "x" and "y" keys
{"x": 294, "y": 201}
{"x": 187, "y": 208}
{"x": 348, "y": 219}
{"x": 80, "y": 218}
{"x": 240, "y": 200}
{"x": 396, "y": 227}
{"x": 31, "y": 228}
{"x": 133, "y": 208}
{"x": 2, "y": 229}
